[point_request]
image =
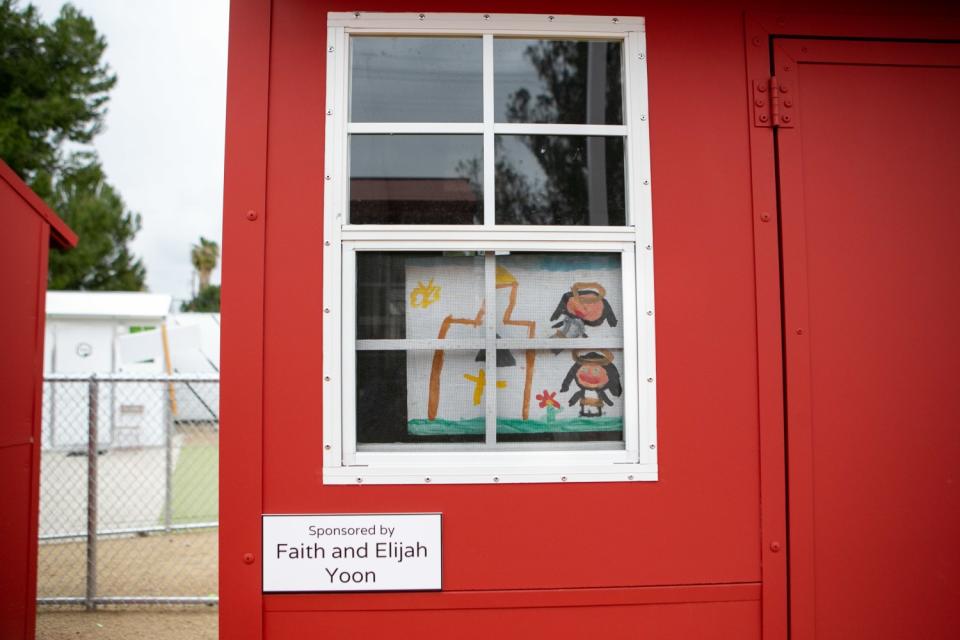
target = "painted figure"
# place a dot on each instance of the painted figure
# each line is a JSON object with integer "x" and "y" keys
{"x": 585, "y": 305}
{"x": 595, "y": 374}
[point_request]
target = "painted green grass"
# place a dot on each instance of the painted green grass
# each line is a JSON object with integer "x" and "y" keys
{"x": 474, "y": 426}
{"x": 195, "y": 483}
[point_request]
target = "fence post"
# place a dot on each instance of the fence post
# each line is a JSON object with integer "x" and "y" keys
{"x": 168, "y": 462}
{"x": 92, "y": 444}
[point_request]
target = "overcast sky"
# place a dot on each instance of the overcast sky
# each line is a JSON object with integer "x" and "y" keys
{"x": 162, "y": 146}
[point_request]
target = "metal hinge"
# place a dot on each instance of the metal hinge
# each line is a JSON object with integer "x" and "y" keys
{"x": 773, "y": 103}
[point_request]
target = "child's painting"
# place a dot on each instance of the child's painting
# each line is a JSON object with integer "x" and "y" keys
{"x": 557, "y": 296}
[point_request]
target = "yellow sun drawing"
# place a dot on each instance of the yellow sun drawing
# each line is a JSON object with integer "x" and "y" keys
{"x": 424, "y": 295}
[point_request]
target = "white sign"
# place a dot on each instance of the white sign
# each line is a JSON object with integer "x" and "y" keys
{"x": 355, "y": 552}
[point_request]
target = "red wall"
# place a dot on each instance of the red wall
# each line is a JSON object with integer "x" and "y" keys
{"x": 23, "y": 263}
{"x": 625, "y": 555}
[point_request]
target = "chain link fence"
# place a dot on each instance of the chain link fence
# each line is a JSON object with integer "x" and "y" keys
{"x": 128, "y": 490}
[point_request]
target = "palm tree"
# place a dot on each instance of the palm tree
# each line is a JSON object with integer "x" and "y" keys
{"x": 204, "y": 257}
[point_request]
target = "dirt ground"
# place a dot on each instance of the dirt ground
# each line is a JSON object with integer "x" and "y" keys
{"x": 163, "y": 565}
{"x": 153, "y": 624}
{"x": 179, "y": 564}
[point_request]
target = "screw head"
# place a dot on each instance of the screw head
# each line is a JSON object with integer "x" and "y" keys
{"x": 653, "y": 446}
{"x": 786, "y": 118}
{"x": 330, "y": 49}
{"x": 426, "y": 479}
{"x": 649, "y": 313}
{"x": 643, "y": 116}
{"x": 788, "y": 103}
{"x": 799, "y": 332}
{"x": 765, "y": 217}
{"x": 762, "y": 88}
{"x": 327, "y": 447}
{"x": 649, "y": 379}
{"x": 784, "y": 88}
{"x": 251, "y": 215}
{"x": 646, "y": 182}
{"x": 629, "y": 477}
{"x": 326, "y": 177}
{"x": 775, "y": 546}
{"x": 327, "y": 310}
{"x": 616, "y": 20}
{"x": 763, "y": 117}
{"x": 649, "y": 247}
{"x": 759, "y": 103}
{"x": 757, "y": 41}
{"x": 329, "y": 112}
{"x": 550, "y": 18}
{"x": 359, "y": 480}
{"x": 486, "y": 16}
{"x": 248, "y": 558}
{"x": 326, "y": 378}
{"x": 643, "y": 56}
{"x": 496, "y": 479}
{"x": 326, "y": 243}
{"x": 563, "y": 478}
{"x": 421, "y": 16}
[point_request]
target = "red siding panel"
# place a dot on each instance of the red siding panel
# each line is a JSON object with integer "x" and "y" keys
{"x": 23, "y": 263}
{"x": 719, "y": 356}
{"x": 704, "y": 621}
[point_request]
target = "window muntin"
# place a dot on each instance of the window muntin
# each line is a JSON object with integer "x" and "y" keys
{"x": 355, "y": 453}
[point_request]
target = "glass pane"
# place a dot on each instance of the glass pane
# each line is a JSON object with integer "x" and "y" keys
{"x": 560, "y": 180}
{"x": 419, "y": 396}
{"x": 575, "y": 396}
{"x": 416, "y": 79}
{"x": 573, "y": 392}
{"x": 416, "y": 179}
{"x": 409, "y": 295}
{"x": 558, "y": 81}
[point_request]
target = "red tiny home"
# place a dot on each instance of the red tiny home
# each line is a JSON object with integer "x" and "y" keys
{"x": 788, "y": 456}
{"x": 30, "y": 229}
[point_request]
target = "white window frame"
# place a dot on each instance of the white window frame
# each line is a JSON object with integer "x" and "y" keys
{"x": 342, "y": 462}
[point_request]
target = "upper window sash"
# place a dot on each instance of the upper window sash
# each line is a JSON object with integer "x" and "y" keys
{"x": 496, "y": 135}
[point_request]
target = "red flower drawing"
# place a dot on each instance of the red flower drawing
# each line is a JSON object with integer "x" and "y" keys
{"x": 548, "y": 398}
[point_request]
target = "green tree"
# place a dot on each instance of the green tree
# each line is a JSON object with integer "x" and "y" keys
{"x": 204, "y": 257}
{"x": 206, "y": 300}
{"x": 54, "y": 89}
{"x": 102, "y": 260}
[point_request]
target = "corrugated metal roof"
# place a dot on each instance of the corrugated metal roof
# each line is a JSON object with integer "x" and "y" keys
{"x": 108, "y": 304}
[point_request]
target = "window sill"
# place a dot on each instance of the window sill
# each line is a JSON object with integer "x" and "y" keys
{"x": 490, "y": 474}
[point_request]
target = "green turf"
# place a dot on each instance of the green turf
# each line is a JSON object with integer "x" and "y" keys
{"x": 195, "y": 484}
{"x": 473, "y": 426}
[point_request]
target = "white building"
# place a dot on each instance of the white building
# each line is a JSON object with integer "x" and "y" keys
{"x": 125, "y": 333}
{"x": 83, "y": 334}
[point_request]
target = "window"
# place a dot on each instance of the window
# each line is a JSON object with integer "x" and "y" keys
{"x": 488, "y": 268}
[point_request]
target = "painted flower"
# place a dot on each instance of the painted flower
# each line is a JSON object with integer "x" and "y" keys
{"x": 548, "y": 399}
